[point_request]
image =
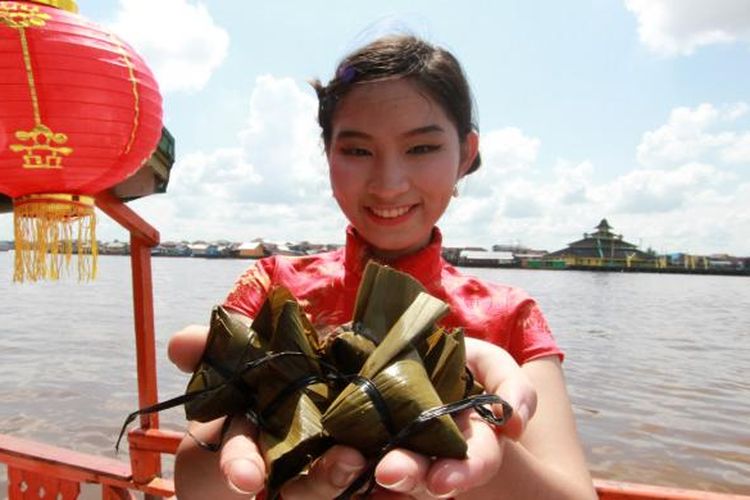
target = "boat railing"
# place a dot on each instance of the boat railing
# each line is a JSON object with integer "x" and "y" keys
{"x": 37, "y": 470}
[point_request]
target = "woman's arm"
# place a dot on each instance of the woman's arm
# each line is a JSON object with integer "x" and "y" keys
{"x": 548, "y": 461}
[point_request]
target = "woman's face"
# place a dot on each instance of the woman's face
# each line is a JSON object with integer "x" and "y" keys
{"x": 394, "y": 158}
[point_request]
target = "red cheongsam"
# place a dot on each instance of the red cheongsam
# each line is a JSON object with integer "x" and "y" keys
{"x": 325, "y": 285}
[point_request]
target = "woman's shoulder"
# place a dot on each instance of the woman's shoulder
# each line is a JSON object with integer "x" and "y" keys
{"x": 458, "y": 283}
{"x": 299, "y": 274}
{"x": 322, "y": 262}
{"x": 499, "y": 313}
{"x": 286, "y": 270}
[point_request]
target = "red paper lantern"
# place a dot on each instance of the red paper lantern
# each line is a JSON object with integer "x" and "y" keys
{"x": 79, "y": 112}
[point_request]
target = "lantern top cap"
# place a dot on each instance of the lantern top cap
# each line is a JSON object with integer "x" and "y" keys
{"x": 69, "y": 5}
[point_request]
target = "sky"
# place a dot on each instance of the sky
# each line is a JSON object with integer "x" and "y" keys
{"x": 637, "y": 111}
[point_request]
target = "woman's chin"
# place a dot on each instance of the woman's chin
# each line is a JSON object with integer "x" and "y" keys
{"x": 389, "y": 249}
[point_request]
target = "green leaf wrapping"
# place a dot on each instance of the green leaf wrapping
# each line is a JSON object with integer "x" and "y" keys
{"x": 307, "y": 396}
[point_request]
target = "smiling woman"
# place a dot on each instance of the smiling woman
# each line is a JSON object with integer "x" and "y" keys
{"x": 398, "y": 131}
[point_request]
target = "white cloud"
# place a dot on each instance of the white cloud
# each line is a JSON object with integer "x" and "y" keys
{"x": 508, "y": 149}
{"x": 504, "y": 151}
{"x": 272, "y": 184}
{"x": 678, "y": 203}
{"x": 179, "y": 40}
{"x": 737, "y": 110}
{"x": 573, "y": 183}
{"x": 283, "y": 139}
{"x": 672, "y": 27}
{"x": 738, "y": 152}
{"x": 657, "y": 191}
{"x": 707, "y": 222}
{"x": 694, "y": 134}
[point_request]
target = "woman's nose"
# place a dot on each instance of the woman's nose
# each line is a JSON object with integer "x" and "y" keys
{"x": 389, "y": 178}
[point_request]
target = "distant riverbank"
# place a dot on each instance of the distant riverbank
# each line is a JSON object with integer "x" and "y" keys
{"x": 623, "y": 269}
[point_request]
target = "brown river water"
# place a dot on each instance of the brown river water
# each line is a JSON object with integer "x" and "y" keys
{"x": 658, "y": 366}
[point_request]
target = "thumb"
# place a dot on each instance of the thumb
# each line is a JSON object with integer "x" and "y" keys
{"x": 241, "y": 462}
{"x": 185, "y": 348}
{"x": 499, "y": 373}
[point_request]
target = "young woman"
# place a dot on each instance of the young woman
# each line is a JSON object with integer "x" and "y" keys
{"x": 398, "y": 131}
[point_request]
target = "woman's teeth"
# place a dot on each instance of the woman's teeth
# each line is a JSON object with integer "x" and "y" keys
{"x": 390, "y": 213}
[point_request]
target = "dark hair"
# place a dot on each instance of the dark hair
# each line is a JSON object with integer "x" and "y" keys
{"x": 434, "y": 69}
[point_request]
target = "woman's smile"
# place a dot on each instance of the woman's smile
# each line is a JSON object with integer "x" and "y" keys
{"x": 391, "y": 215}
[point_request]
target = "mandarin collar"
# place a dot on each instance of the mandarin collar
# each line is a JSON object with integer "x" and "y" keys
{"x": 423, "y": 265}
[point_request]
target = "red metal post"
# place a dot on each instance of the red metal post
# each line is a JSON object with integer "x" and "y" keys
{"x": 146, "y": 465}
{"x": 140, "y": 256}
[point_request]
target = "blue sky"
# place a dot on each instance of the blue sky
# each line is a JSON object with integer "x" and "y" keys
{"x": 633, "y": 110}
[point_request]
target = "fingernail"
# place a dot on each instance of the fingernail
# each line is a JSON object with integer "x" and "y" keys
{"x": 402, "y": 485}
{"x": 450, "y": 494}
{"x": 242, "y": 471}
{"x": 342, "y": 474}
{"x": 451, "y": 484}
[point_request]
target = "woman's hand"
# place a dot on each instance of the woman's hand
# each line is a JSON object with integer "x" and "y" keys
{"x": 238, "y": 468}
{"x": 401, "y": 474}
{"x": 405, "y": 474}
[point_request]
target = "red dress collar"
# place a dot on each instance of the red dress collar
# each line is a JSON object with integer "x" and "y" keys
{"x": 424, "y": 265}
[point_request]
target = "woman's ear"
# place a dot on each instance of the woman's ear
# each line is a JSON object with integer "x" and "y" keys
{"x": 469, "y": 151}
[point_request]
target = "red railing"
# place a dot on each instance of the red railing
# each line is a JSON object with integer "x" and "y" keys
{"x": 37, "y": 471}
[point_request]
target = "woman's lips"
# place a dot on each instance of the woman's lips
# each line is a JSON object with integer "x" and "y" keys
{"x": 390, "y": 215}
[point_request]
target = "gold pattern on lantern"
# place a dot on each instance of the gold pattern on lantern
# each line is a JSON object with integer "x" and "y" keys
{"x": 18, "y": 15}
{"x": 44, "y": 148}
{"x": 67, "y": 5}
{"x": 41, "y": 152}
{"x": 134, "y": 87}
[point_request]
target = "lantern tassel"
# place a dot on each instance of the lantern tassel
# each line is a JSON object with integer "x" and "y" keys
{"x": 48, "y": 229}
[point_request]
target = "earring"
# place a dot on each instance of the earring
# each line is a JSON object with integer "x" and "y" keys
{"x": 455, "y": 191}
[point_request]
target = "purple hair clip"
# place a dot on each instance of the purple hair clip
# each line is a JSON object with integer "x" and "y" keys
{"x": 346, "y": 74}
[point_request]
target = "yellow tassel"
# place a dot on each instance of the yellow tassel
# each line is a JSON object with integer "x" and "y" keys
{"x": 48, "y": 229}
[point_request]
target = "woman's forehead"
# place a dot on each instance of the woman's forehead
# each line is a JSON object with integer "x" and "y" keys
{"x": 398, "y": 105}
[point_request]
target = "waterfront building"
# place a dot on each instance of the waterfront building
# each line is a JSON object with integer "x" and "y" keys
{"x": 203, "y": 249}
{"x": 252, "y": 250}
{"x": 483, "y": 258}
{"x": 114, "y": 248}
{"x": 602, "y": 249}
{"x": 171, "y": 249}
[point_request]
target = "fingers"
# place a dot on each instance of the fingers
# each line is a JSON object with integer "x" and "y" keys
{"x": 232, "y": 473}
{"x": 328, "y": 476}
{"x": 447, "y": 477}
{"x": 494, "y": 368}
{"x": 241, "y": 462}
{"x": 403, "y": 471}
{"x": 186, "y": 347}
{"x": 405, "y": 474}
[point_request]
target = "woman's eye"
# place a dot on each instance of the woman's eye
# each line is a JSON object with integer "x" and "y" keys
{"x": 355, "y": 152}
{"x": 423, "y": 149}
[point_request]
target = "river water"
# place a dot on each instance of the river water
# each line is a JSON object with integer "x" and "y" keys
{"x": 657, "y": 365}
